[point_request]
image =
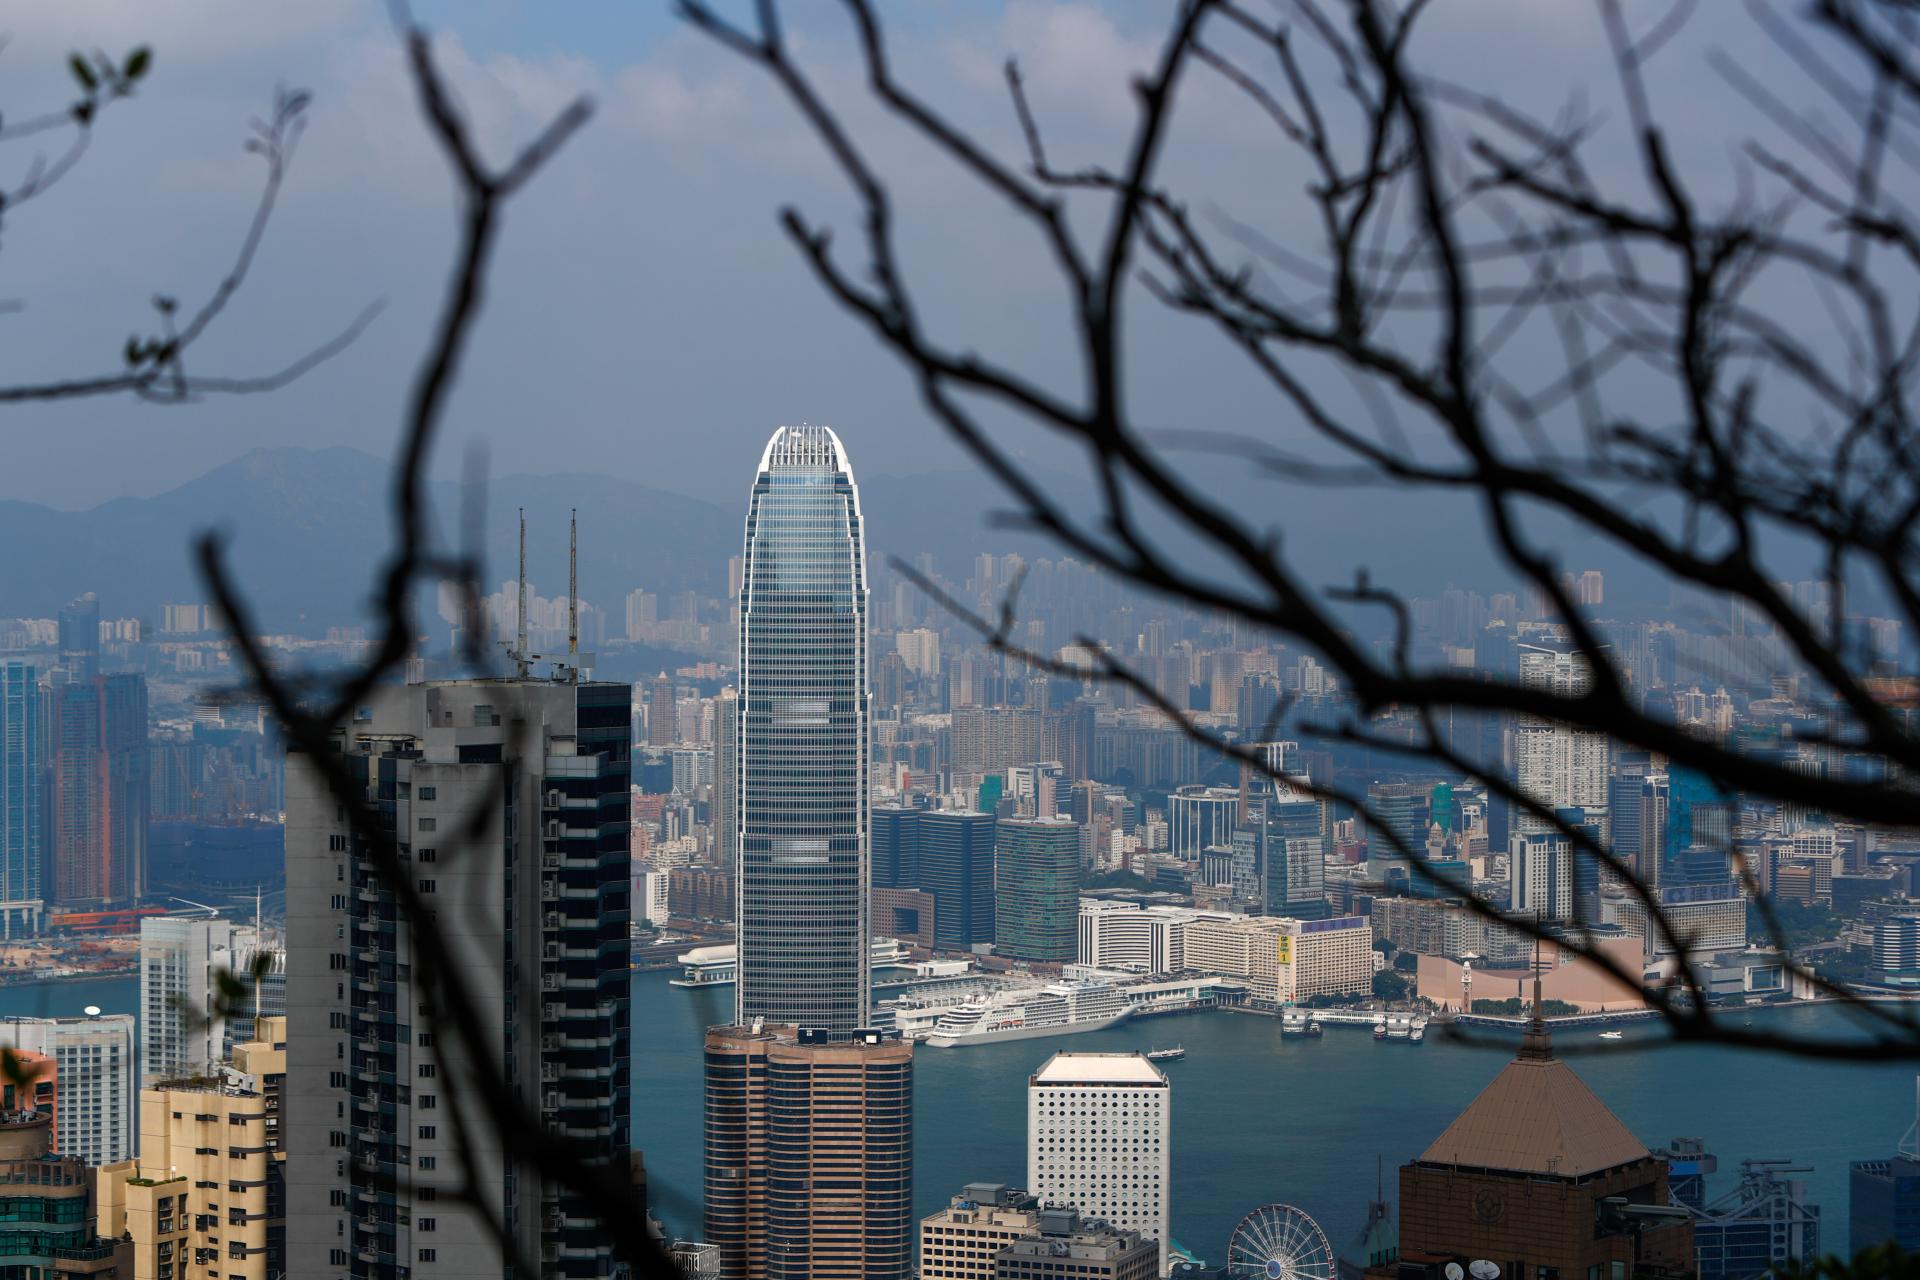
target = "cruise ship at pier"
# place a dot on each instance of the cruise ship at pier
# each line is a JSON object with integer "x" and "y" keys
{"x": 1025, "y": 1013}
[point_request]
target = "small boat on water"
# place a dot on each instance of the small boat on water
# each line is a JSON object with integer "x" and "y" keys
{"x": 1166, "y": 1055}
{"x": 1613, "y": 1035}
{"x": 1379, "y": 1031}
{"x": 1418, "y": 1031}
{"x": 1314, "y": 1027}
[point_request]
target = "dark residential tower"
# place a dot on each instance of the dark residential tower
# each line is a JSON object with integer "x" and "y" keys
{"x": 508, "y": 802}
{"x": 99, "y": 796}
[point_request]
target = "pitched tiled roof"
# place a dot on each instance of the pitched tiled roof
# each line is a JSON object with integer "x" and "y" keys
{"x": 1537, "y": 1117}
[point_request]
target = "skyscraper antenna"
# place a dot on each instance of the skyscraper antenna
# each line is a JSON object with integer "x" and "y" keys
{"x": 573, "y": 589}
{"x": 520, "y": 629}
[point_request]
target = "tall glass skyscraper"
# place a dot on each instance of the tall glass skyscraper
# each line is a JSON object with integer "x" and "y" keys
{"x": 809, "y": 1112}
{"x": 22, "y": 822}
{"x": 802, "y": 879}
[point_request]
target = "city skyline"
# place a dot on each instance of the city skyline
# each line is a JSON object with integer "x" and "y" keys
{"x": 1384, "y": 533}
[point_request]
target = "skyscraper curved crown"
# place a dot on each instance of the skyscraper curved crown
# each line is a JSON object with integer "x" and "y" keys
{"x": 805, "y": 445}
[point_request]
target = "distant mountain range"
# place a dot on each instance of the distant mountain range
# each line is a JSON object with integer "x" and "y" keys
{"x": 307, "y": 529}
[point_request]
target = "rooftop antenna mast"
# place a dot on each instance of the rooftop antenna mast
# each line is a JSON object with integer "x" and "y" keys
{"x": 573, "y": 596}
{"x": 519, "y": 653}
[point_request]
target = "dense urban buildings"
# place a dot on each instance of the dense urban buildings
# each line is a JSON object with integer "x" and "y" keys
{"x": 1099, "y": 1140}
{"x": 506, "y": 802}
{"x": 1015, "y": 824}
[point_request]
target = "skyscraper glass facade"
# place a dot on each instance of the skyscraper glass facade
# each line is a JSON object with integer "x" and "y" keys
{"x": 956, "y": 867}
{"x": 1037, "y": 889}
{"x": 22, "y": 830}
{"x": 802, "y": 914}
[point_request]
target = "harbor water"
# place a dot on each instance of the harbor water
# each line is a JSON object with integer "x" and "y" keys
{"x": 1259, "y": 1118}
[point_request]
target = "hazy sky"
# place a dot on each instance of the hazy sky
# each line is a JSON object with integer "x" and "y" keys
{"x": 646, "y": 318}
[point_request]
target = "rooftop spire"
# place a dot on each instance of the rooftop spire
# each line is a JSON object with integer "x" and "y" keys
{"x": 1537, "y": 1044}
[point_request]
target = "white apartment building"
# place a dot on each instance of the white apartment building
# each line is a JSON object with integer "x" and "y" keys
{"x": 1558, "y": 766}
{"x": 919, "y": 649}
{"x": 93, "y": 1059}
{"x": 1098, "y": 1140}
{"x": 182, "y": 1027}
{"x": 650, "y": 896}
{"x": 1540, "y": 874}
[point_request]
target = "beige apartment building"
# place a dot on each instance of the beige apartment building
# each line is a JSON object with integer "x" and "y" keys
{"x": 203, "y": 1197}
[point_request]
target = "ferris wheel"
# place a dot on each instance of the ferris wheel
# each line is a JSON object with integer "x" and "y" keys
{"x": 1279, "y": 1242}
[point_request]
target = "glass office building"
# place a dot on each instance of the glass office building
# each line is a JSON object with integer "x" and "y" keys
{"x": 803, "y": 839}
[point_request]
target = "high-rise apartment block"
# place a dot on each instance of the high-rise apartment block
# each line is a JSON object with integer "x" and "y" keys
{"x": 183, "y": 1023}
{"x": 507, "y": 804}
{"x": 79, "y": 640}
{"x": 725, "y": 824}
{"x": 1555, "y": 764}
{"x": 994, "y": 739}
{"x": 98, "y": 763}
{"x": 23, "y": 851}
{"x": 1099, "y": 1140}
{"x": 809, "y": 1153}
{"x": 94, "y": 1060}
{"x": 662, "y": 714}
{"x": 204, "y": 1197}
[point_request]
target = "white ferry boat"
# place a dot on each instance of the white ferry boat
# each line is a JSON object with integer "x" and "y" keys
{"x": 1057, "y": 1009}
{"x": 1293, "y": 1022}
